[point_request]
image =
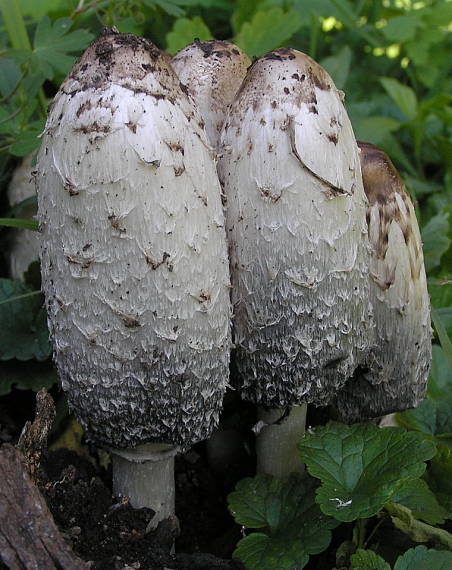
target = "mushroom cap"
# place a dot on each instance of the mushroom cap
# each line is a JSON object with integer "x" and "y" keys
{"x": 212, "y": 71}
{"x": 24, "y": 244}
{"x": 133, "y": 253}
{"x": 394, "y": 376}
{"x": 296, "y": 227}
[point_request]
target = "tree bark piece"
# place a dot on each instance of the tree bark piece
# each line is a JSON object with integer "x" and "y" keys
{"x": 29, "y": 537}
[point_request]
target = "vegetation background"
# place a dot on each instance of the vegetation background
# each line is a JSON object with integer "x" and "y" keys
{"x": 392, "y": 58}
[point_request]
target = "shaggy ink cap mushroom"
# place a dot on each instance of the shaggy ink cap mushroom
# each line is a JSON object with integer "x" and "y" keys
{"x": 212, "y": 71}
{"x": 296, "y": 226}
{"x": 134, "y": 257}
{"x": 394, "y": 376}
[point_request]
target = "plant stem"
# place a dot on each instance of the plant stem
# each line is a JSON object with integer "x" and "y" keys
{"x": 276, "y": 442}
{"x": 145, "y": 474}
{"x": 361, "y": 525}
{"x": 14, "y": 24}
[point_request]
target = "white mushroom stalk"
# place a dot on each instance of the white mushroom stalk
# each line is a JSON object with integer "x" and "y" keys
{"x": 24, "y": 245}
{"x": 134, "y": 262}
{"x": 212, "y": 72}
{"x": 395, "y": 374}
{"x": 296, "y": 228}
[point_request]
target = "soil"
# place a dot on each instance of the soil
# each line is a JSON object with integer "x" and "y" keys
{"x": 111, "y": 535}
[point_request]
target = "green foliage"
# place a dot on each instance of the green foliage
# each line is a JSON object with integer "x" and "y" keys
{"x": 23, "y": 334}
{"x": 26, "y": 376}
{"x": 293, "y": 526}
{"x": 368, "y": 560}
{"x": 267, "y": 30}
{"x": 361, "y": 467}
{"x": 184, "y": 32}
{"x": 420, "y": 558}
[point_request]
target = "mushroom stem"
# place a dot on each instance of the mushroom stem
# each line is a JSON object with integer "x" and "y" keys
{"x": 276, "y": 442}
{"x": 145, "y": 475}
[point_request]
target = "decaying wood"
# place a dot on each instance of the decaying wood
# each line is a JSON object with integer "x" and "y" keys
{"x": 29, "y": 537}
{"x": 33, "y": 439}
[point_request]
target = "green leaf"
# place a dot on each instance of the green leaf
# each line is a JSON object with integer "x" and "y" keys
{"x": 439, "y": 477}
{"x": 401, "y": 28}
{"x": 52, "y": 43}
{"x": 432, "y": 416}
{"x": 9, "y": 76}
{"x": 338, "y": 66}
{"x": 368, "y": 560}
{"x": 26, "y": 376}
{"x": 184, "y": 33}
{"x": 23, "y": 334}
{"x": 18, "y": 223}
{"x": 267, "y": 31}
{"x": 375, "y": 129}
{"x": 435, "y": 239}
{"x": 420, "y": 558}
{"x": 294, "y": 526}
{"x": 417, "y": 496}
{"x": 362, "y": 466}
{"x": 402, "y": 95}
{"x": 418, "y": 531}
{"x": 440, "y": 375}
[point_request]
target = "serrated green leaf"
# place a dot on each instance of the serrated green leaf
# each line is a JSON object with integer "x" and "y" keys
{"x": 295, "y": 527}
{"x": 338, "y": 66}
{"x": 402, "y": 95}
{"x": 417, "y": 496}
{"x": 439, "y": 477}
{"x": 420, "y": 558}
{"x": 23, "y": 334}
{"x": 267, "y": 31}
{"x": 184, "y": 33}
{"x": 362, "y": 466}
{"x": 52, "y": 44}
{"x": 368, "y": 560}
{"x": 418, "y": 531}
{"x": 432, "y": 416}
{"x": 26, "y": 376}
{"x": 435, "y": 239}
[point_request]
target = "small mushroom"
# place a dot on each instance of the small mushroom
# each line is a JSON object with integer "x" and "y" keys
{"x": 212, "y": 72}
{"x": 394, "y": 375}
{"x": 134, "y": 262}
{"x": 296, "y": 226}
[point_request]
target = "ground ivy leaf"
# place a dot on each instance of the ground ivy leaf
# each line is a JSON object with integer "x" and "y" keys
{"x": 267, "y": 30}
{"x": 23, "y": 334}
{"x": 362, "y": 466}
{"x": 417, "y": 496}
{"x": 439, "y": 477}
{"x": 403, "y": 519}
{"x": 432, "y": 416}
{"x": 286, "y": 509}
{"x": 368, "y": 560}
{"x": 420, "y": 558}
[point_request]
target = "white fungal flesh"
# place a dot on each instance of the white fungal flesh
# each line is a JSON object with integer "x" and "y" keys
{"x": 296, "y": 227}
{"x": 212, "y": 72}
{"x": 395, "y": 374}
{"x": 134, "y": 257}
{"x": 24, "y": 245}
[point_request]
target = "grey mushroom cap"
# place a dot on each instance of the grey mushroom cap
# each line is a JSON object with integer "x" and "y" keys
{"x": 212, "y": 71}
{"x": 296, "y": 227}
{"x": 133, "y": 250}
{"x": 394, "y": 376}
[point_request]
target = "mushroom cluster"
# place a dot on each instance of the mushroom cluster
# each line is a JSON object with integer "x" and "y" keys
{"x": 149, "y": 170}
